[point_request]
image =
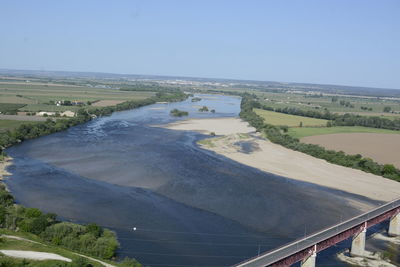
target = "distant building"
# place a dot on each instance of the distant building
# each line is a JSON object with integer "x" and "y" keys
{"x": 45, "y": 113}
{"x": 68, "y": 113}
{"x": 77, "y": 103}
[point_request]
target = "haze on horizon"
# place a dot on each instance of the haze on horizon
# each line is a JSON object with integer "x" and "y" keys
{"x": 337, "y": 42}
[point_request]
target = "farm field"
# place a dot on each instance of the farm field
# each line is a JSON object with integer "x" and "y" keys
{"x": 41, "y": 97}
{"x": 300, "y": 132}
{"x": 106, "y": 103}
{"x": 383, "y": 148}
{"x": 364, "y": 106}
{"x": 277, "y": 118}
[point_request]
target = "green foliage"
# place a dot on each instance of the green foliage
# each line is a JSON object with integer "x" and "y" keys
{"x": 387, "y": 109}
{"x": 178, "y": 113}
{"x": 6, "y": 199}
{"x": 127, "y": 262}
{"x": 94, "y": 229}
{"x": 10, "y": 108}
{"x": 32, "y": 212}
{"x": 90, "y": 239}
{"x": 81, "y": 262}
{"x": 203, "y": 109}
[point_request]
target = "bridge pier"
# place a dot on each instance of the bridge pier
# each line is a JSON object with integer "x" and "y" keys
{"x": 358, "y": 244}
{"x": 394, "y": 225}
{"x": 310, "y": 261}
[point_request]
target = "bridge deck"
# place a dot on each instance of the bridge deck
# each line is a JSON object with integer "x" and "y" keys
{"x": 302, "y": 248}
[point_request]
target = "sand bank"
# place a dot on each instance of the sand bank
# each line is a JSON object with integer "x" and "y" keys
{"x": 220, "y": 126}
{"x": 370, "y": 259}
{"x": 254, "y": 151}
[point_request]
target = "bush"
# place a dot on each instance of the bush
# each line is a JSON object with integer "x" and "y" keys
{"x": 127, "y": 262}
{"x": 90, "y": 239}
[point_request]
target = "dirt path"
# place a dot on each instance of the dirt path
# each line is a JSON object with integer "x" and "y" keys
{"x": 34, "y": 255}
{"x": 26, "y": 254}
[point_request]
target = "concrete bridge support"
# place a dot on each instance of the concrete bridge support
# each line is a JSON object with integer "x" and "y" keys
{"x": 394, "y": 225}
{"x": 358, "y": 244}
{"x": 310, "y": 261}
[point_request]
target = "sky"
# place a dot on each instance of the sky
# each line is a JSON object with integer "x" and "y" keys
{"x": 346, "y": 42}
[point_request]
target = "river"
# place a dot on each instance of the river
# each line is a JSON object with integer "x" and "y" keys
{"x": 170, "y": 202}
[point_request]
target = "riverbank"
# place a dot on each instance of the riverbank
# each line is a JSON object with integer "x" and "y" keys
{"x": 4, "y": 163}
{"x": 257, "y": 152}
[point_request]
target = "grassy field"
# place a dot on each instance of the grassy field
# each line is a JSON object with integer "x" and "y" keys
{"x": 10, "y": 124}
{"x": 311, "y": 131}
{"x": 276, "y": 118}
{"x": 41, "y": 97}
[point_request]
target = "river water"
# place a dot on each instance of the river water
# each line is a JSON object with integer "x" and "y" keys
{"x": 189, "y": 207}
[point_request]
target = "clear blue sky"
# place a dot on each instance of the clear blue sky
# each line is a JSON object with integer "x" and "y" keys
{"x": 349, "y": 42}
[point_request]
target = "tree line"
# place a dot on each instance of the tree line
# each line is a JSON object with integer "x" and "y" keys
{"x": 275, "y": 135}
{"x": 347, "y": 119}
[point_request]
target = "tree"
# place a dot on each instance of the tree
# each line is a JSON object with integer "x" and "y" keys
{"x": 388, "y": 169}
{"x": 203, "y": 109}
{"x": 127, "y": 262}
{"x": 301, "y": 124}
{"x": 387, "y": 109}
{"x": 32, "y": 212}
{"x": 94, "y": 229}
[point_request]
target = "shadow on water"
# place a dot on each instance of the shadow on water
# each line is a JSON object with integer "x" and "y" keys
{"x": 190, "y": 207}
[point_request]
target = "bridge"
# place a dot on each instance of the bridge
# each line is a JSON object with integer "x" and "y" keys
{"x": 306, "y": 249}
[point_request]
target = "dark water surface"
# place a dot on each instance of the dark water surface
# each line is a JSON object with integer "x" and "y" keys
{"x": 190, "y": 207}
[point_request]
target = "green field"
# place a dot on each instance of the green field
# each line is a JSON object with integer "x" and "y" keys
{"x": 7, "y": 107}
{"x": 310, "y": 131}
{"x": 41, "y": 97}
{"x": 276, "y": 118}
{"x": 10, "y": 124}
